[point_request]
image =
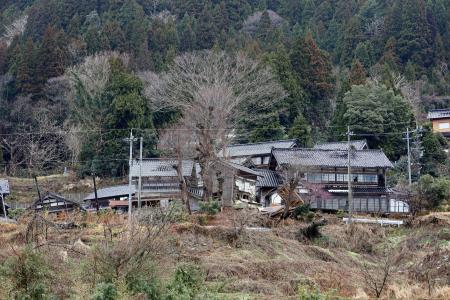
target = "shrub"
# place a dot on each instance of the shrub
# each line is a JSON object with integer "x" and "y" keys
{"x": 15, "y": 213}
{"x": 340, "y": 214}
{"x": 177, "y": 212}
{"x": 301, "y": 211}
{"x": 186, "y": 284}
{"x": 210, "y": 207}
{"x": 202, "y": 220}
{"x": 138, "y": 284}
{"x": 310, "y": 216}
{"x": 29, "y": 275}
{"x": 105, "y": 291}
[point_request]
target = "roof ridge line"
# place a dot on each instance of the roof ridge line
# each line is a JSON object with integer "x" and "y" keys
{"x": 327, "y": 150}
{"x": 258, "y": 143}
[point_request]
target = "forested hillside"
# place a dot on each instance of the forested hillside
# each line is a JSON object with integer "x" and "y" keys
{"x": 377, "y": 65}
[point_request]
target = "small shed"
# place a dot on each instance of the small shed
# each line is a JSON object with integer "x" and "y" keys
{"x": 108, "y": 195}
{"x": 53, "y": 203}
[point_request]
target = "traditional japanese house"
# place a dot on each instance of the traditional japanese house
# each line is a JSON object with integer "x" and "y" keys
{"x": 53, "y": 203}
{"x": 441, "y": 121}
{"x": 238, "y": 183}
{"x": 160, "y": 182}
{"x": 110, "y": 197}
{"x": 325, "y": 178}
{"x": 254, "y": 154}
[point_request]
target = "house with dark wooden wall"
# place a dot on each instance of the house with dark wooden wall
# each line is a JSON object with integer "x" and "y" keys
{"x": 53, "y": 203}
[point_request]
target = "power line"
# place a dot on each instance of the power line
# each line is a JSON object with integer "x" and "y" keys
{"x": 106, "y": 131}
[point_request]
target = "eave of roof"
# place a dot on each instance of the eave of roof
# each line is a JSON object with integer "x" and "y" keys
{"x": 438, "y": 114}
{"x": 112, "y": 191}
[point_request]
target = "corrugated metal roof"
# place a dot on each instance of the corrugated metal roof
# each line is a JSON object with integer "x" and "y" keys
{"x": 331, "y": 158}
{"x": 161, "y": 168}
{"x": 438, "y": 114}
{"x": 255, "y": 149}
{"x": 357, "y": 144}
{"x": 268, "y": 178}
{"x": 4, "y": 186}
{"x": 112, "y": 191}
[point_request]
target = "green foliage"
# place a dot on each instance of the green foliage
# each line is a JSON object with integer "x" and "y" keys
{"x": 211, "y": 207}
{"x": 105, "y": 291}
{"x": 433, "y": 191}
{"x": 15, "y": 213}
{"x": 269, "y": 132}
{"x": 29, "y": 275}
{"x": 124, "y": 107}
{"x": 177, "y": 212}
{"x": 313, "y": 68}
{"x": 301, "y": 211}
{"x": 408, "y": 37}
{"x": 340, "y": 214}
{"x": 434, "y": 156}
{"x": 375, "y": 109}
{"x": 301, "y": 131}
{"x": 139, "y": 284}
{"x": 187, "y": 283}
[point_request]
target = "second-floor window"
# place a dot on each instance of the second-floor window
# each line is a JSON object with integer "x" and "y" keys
{"x": 340, "y": 177}
{"x": 444, "y": 125}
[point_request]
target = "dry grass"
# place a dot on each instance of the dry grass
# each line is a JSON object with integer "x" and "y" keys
{"x": 265, "y": 265}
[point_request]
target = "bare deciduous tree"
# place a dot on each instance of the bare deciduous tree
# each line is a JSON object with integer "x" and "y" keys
{"x": 15, "y": 29}
{"x": 88, "y": 81}
{"x": 45, "y": 146}
{"x": 292, "y": 175}
{"x": 376, "y": 276}
{"x": 178, "y": 143}
{"x": 375, "y": 27}
{"x": 212, "y": 91}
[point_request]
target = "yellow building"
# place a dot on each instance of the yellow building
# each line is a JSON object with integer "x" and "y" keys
{"x": 441, "y": 121}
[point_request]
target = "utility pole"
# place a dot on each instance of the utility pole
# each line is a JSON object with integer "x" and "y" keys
{"x": 409, "y": 156}
{"x": 97, "y": 206}
{"x": 350, "y": 193}
{"x": 37, "y": 188}
{"x": 3, "y": 203}
{"x": 131, "y": 139}
{"x": 140, "y": 172}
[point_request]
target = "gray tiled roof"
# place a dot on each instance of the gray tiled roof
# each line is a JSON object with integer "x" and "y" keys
{"x": 357, "y": 144}
{"x": 256, "y": 148}
{"x": 240, "y": 167}
{"x": 331, "y": 158}
{"x": 438, "y": 114}
{"x": 4, "y": 186}
{"x": 161, "y": 168}
{"x": 112, "y": 191}
{"x": 268, "y": 178}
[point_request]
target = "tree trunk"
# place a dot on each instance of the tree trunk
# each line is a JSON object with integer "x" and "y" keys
{"x": 182, "y": 182}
